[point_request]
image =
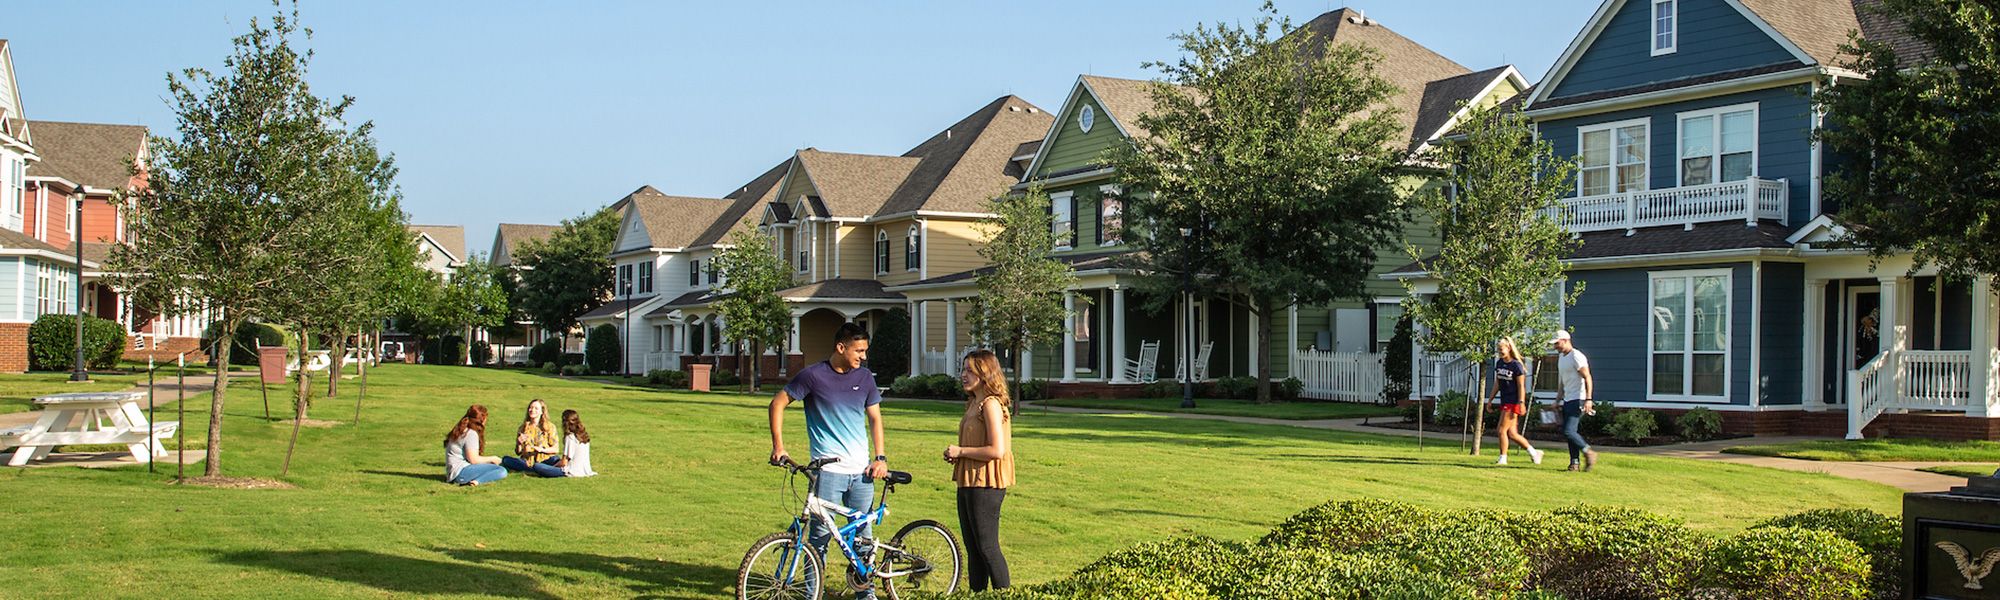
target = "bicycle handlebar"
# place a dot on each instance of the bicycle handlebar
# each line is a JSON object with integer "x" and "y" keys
{"x": 814, "y": 465}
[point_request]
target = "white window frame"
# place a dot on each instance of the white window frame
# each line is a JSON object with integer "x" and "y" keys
{"x": 1715, "y": 162}
{"x": 645, "y": 275}
{"x": 1611, "y": 131}
{"x": 1108, "y": 196}
{"x": 803, "y": 246}
{"x": 1059, "y": 206}
{"x": 913, "y": 249}
{"x": 881, "y": 251}
{"x": 1673, "y": 27}
{"x": 625, "y": 282}
{"x": 694, "y": 273}
{"x": 1687, "y": 350}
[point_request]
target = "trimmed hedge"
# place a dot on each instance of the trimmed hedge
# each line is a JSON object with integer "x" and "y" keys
{"x": 248, "y": 337}
{"x": 672, "y": 379}
{"x": 601, "y": 349}
{"x": 1789, "y": 563}
{"x": 545, "y": 352}
{"x": 52, "y": 343}
{"x": 1699, "y": 423}
{"x": 482, "y": 352}
{"x": 1878, "y": 535}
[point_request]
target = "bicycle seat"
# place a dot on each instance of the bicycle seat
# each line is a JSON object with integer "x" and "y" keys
{"x": 894, "y": 478}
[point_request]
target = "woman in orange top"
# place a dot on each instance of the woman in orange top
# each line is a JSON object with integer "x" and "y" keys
{"x": 983, "y": 467}
{"x": 536, "y": 444}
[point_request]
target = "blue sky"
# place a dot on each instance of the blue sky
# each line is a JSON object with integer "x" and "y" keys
{"x": 531, "y": 112}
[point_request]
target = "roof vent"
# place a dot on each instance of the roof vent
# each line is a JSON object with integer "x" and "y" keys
{"x": 947, "y": 134}
{"x": 1358, "y": 18}
{"x": 1014, "y": 108}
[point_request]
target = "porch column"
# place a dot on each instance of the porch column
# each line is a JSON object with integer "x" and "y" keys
{"x": 951, "y": 327}
{"x": 1891, "y": 334}
{"x": 1117, "y": 365}
{"x": 1255, "y": 350}
{"x": 1815, "y": 384}
{"x": 1985, "y": 317}
{"x": 792, "y": 345}
{"x": 1027, "y": 362}
{"x": 916, "y": 337}
{"x": 1069, "y": 338}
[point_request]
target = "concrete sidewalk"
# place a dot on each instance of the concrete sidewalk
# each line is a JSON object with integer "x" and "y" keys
{"x": 1901, "y": 475}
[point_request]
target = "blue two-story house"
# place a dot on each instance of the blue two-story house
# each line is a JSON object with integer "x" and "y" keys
{"x": 1708, "y": 277}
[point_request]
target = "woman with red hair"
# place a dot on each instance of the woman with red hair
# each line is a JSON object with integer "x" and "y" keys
{"x": 465, "y": 459}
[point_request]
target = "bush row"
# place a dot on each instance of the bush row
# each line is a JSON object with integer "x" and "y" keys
{"x": 1238, "y": 388}
{"x": 1628, "y": 424}
{"x": 1379, "y": 549}
{"x": 52, "y": 343}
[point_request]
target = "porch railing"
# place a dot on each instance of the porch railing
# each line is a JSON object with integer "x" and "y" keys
{"x": 1747, "y": 200}
{"x": 1909, "y": 380}
{"x": 937, "y": 360}
{"x": 1438, "y": 373}
{"x": 670, "y": 361}
{"x": 1343, "y": 376}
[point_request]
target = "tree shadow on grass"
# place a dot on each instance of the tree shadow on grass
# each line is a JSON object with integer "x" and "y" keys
{"x": 433, "y": 477}
{"x": 395, "y": 574}
{"x": 643, "y": 577}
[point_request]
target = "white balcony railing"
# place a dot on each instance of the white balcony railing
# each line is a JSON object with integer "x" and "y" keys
{"x": 1747, "y": 200}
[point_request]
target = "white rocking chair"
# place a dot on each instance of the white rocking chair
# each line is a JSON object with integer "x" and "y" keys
{"x": 1144, "y": 370}
{"x": 1200, "y": 365}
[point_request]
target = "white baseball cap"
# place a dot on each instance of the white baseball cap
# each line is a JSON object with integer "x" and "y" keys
{"x": 1560, "y": 336}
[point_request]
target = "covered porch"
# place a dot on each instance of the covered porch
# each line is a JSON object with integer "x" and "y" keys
{"x": 1887, "y": 343}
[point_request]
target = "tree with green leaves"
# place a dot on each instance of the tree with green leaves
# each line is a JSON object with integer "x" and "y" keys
{"x": 1918, "y": 138}
{"x": 752, "y": 311}
{"x": 217, "y": 226}
{"x": 1502, "y": 243}
{"x": 568, "y": 274}
{"x": 1255, "y": 134}
{"x": 1020, "y": 302}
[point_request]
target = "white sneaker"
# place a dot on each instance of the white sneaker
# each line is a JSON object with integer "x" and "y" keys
{"x": 1536, "y": 455}
{"x": 1503, "y": 460}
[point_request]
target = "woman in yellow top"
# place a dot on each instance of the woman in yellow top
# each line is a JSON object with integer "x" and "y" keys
{"x": 536, "y": 444}
{"x": 983, "y": 467}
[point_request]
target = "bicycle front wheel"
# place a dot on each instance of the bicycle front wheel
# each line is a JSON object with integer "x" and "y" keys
{"x": 777, "y": 568}
{"x": 930, "y": 554}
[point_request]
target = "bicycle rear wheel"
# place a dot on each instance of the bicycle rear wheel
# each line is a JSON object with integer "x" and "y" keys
{"x": 777, "y": 568}
{"x": 931, "y": 552}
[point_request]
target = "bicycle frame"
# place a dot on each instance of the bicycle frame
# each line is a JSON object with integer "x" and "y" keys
{"x": 820, "y": 512}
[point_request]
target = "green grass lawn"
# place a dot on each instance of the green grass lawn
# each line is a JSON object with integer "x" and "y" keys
{"x": 684, "y": 491}
{"x": 1879, "y": 450}
{"x": 1967, "y": 470}
{"x": 18, "y": 392}
{"x": 1235, "y": 408}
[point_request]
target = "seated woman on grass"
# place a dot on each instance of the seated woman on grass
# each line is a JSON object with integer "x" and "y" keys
{"x": 576, "y": 446}
{"x": 536, "y": 444}
{"x": 465, "y": 459}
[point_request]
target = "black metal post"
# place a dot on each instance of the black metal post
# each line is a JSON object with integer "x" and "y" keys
{"x": 151, "y": 420}
{"x": 1187, "y": 346}
{"x": 78, "y": 372}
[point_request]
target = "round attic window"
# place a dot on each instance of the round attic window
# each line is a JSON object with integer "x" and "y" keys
{"x": 1085, "y": 118}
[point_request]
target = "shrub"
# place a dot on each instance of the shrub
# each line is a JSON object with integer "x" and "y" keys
{"x": 482, "y": 352}
{"x": 570, "y": 358}
{"x": 1610, "y": 552}
{"x": 1600, "y": 423}
{"x": 1790, "y": 563}
{"x": 889, "y": 351}
{"x": 906, "y": 386}
{"x": 52, "y": 342}
{"x": 1699, "y": 423}
{"x": 668, "y": 378}
{"x": 1312, "y": 575}
{"x": 1440, "y": 545}
{"x": 944, "y": 386}
{"x": 722, "y": 377}
{"x": 601, "y": 349}
{"x": 1345, "y": 525}
{"x": 1289, "y": 389}
{"x": 1632, "y": 425}
{"x": 1451, "y": 408}
{"x": 1240, "y": 388}
{"x": 1203, "y": 564}
{"x": 444, "y": 350}
{"x": 544, "y": 352}
{"x": 1034, "y": 389}
{"x": 551, "y": 368}
{"x": 1878, "y": 535}
{"x": 573, "y": 370}
{"x": 248, "y": 337}
{"x": 1161, "y": 389}
{"x": 1121, "y": 583}
{"x": 1411, "y": 411}
{"x": 1396, "y": 361}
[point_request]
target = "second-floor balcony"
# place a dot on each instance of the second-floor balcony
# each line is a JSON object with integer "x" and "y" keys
{"x": 1747, "y": 200}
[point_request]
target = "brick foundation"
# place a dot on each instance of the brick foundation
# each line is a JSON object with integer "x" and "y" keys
{"x": 13, "y": 347}
{"x": 1833, "y": 423}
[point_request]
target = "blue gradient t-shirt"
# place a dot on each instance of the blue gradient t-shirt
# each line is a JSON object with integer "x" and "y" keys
{"x": 837, "y": 413}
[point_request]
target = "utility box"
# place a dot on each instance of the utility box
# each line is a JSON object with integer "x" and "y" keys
{"x": 698, "y": 377}
{"x": 1946, "y": 540}
{"x": 270, "y": 364}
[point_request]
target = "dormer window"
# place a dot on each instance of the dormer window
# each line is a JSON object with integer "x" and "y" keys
{"x": 1666, "y": 36}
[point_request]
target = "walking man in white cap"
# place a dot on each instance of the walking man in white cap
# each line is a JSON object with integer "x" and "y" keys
{"x": 1574, "y": 369}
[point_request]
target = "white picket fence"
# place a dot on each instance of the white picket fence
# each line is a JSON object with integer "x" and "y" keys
{"x": 1440, "y": 373}
{"x": 1342, "y": 376}
{"x": 936, "y": 360}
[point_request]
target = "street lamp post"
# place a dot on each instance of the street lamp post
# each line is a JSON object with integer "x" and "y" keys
{"x": 78, "y": 373}
{"x": 1187, "y": 297}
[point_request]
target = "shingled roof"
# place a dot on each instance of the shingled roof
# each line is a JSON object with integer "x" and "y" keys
{"x": 760, "y": 191}
{"x": 1819, "y": 27}
{"x": 1441, "y": 100}
{"x": 449, "y": 237}
{"x": 853, "y": 185}
{"x": 509, "y": 237}
{"x": 1125, "y": 99}
{"x": 1404, "y": 63}
{"x": 674, "y": 221}
{"x": 1669, "y": 239}
{"x": 15, "y": 240}
{"x": 966, "y": 164}
{"x": 92, "y": 154}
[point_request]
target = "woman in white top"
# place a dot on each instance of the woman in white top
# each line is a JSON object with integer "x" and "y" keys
{"x": 465, "y": 459}
{"x": 576, "y": 446}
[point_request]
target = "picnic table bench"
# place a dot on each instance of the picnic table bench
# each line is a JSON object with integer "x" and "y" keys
{"x": 89, "y": 418}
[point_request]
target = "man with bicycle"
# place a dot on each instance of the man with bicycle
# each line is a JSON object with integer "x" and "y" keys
{"x": 839, "y": 394}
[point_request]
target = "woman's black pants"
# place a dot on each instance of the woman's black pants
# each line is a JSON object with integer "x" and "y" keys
{"x": 979, "y": 526}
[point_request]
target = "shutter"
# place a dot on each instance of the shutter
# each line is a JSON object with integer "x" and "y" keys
{"x": 1103, "y": 200}
{"x": 1073, "y": 241}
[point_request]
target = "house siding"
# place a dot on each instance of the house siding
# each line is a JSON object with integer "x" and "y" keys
{"x": 1784, "y": 146}
{"x": 1713, "y": 38}
{"x": 13, "y": 300}
{"x": 1073, "y": 147}
{"x": 1784, "y": 319}
{"x": 954, "y": 246}
{"x": 1610, "y": 320}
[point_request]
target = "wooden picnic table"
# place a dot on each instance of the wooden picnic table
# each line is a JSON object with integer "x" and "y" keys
{"x": 89, "y": 418}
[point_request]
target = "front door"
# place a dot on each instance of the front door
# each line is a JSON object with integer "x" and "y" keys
{"x": 1863, "y": 325}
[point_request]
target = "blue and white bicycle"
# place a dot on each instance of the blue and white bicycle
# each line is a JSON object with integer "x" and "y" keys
{"x": 921, "y": 561}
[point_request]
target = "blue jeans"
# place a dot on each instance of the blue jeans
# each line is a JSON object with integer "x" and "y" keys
{"x": 480, "y": 474}
{"x": 849, "y": 491}
{"x": 1572, "y": 415}
{"x": 546, "y": 468}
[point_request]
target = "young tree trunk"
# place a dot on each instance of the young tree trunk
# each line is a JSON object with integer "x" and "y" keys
{"x": 1479, "y": 408}
{"x": 305, "y": 375}
{"x": 339, "y": 356}
{"x": 756, "y": 360}
{"x": 1263, "y": 345}
{"x": 213, "y": 464}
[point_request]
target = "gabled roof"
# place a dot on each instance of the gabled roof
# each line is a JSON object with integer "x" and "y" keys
{"x": 852, "y": 185}
{"x": 509, "y": 236}
{"x": 1125, "y": 99}
{"x": 449, "y": 237}
{"x": 1409, "y": 66}
{"x": 15, "y": 242}
{"x": 674, "y": 221}
{"x": 1654, "y": 241}
{"x": 13, "y": 117}
{"x": 1441, "y": 110}
{"x": 780, "y": 212}
{"x": 762, "y": 190}
{"x": 966, "y": 164}
{"x": 92, "y": 154}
